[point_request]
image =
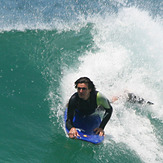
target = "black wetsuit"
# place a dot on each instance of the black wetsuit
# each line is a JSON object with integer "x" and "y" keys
{"x": 135, "y": 99}
{"x": 82, "y": 107}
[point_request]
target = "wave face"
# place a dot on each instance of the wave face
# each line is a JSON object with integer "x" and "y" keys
{"x": 45, "y": 46}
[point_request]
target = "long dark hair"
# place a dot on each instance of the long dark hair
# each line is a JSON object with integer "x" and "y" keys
{"x": 85, "y": 80}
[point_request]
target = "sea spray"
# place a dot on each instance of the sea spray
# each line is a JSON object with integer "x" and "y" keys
{"x": 127, "y": 57}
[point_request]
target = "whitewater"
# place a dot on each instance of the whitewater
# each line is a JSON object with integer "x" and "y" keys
{"x": 129, "y": 57}
{"x": 47, "y": 46}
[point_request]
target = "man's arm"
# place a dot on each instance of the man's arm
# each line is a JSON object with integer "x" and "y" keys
{"x": 70, "y": 115}
{"x": 132, "y": 98}
{"x": 105, "y": 104}
{"x": 69, "y": 124}
{"x": 106, "y": 118}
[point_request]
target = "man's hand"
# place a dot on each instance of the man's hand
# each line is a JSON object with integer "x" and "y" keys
{"x": 73, "y": 133}
{"x": 114, "y": 98}
{"x": 99, "y": 131}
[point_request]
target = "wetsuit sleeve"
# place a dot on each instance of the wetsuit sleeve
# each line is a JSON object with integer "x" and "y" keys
{"x": 103, "y": 102}
{"x": 70, "y": 113}
{"x": 135, "y": 99}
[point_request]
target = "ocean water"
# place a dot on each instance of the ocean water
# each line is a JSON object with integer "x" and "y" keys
{"x": 46, "y": 45}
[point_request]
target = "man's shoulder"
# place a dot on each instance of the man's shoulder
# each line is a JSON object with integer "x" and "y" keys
{"x": 100, "y": 95}
{"x": 74, "y": 96}
{"x": 73, "y": 100}
{"x": 94, "y": 93}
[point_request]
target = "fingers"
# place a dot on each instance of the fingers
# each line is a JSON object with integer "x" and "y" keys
{"x": 73, "y": 133}
{"x": 96, "y": 131}
{"x": 99, "y": 131}
{"x": 102, "y": 133}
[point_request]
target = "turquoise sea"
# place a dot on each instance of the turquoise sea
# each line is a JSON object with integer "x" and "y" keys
{"x": 46, "y": 45}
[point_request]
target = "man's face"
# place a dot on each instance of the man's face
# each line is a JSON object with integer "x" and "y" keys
{"x": 83, "y": 91}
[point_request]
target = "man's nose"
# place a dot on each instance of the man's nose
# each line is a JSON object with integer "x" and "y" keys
{"x": 81, "y": 90}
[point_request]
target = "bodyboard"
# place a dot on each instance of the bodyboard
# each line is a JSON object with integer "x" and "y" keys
{"x": 85, "y": 126}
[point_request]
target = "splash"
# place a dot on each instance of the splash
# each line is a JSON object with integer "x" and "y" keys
{"x": 129, "y": 56}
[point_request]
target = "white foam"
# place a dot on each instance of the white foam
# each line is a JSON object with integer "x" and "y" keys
{"x": 129, "y": 57}
{"x": 136, "y": 132}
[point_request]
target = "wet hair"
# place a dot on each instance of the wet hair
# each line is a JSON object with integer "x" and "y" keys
{"x": 85, "y": 80}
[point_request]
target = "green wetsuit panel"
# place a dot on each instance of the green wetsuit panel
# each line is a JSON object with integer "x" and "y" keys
{"x": 102, "y": 101}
